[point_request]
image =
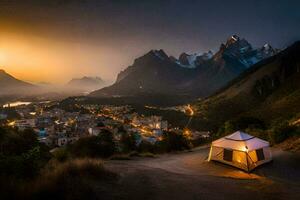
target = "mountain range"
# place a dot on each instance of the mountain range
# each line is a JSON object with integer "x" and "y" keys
{"x": 86, "y": 83}
{"x": 12, "y": 88}
{"x": 163, "y": 78}
{"x": 269, "y": 91}
{"x": 191, "y": 75}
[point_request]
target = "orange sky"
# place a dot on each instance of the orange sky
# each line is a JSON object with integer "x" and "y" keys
{"x": 50, "y": 43}
{"x": 54, "y": 41}
{"x": 37, "y": 59}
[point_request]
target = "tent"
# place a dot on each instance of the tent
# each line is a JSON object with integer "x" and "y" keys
{"x": 240, "y": 150}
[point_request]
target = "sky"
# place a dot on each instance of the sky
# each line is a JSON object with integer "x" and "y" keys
{"x": 56, "y": 40}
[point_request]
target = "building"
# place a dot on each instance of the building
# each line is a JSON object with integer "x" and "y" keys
{"x": 25, "y": 123}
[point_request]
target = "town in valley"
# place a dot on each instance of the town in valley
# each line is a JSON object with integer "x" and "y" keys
{"x": 57, "y": 127}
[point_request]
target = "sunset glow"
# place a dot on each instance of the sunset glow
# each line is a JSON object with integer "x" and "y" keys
{"x": 39, "y": 41}
{"x": 149, "y": 99}
{"x": 35, "y": 59}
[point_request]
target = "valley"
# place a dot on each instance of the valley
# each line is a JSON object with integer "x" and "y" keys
{"x": 152, "y": 100}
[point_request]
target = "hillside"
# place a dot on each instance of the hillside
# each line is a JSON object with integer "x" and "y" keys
{"x": 9, "y": 85}
{"x": 269, "y": 91}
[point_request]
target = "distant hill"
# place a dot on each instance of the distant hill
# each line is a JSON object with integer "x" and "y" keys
{"x": 9, "y": 85}
{"x": 86, "y": 83}
{"x": 270, "y": 91}
{"x": 191, "y": 75}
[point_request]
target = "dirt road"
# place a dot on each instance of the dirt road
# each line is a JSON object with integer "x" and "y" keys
{"x": 189, "y": 176}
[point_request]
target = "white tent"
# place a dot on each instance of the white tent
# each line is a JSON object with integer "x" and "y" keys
{"x": 240, "y": 150}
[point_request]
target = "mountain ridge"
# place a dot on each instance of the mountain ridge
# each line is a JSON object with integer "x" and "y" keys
{"x": 196, "y": 75}
{"x": 269, "y": 91}
{"x": 86, "y": 83}
{"x": 10, "y": 85}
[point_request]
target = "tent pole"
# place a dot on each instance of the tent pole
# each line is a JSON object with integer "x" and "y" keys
{"x": 247, "y": 161}
{"x": 210, "y": 152}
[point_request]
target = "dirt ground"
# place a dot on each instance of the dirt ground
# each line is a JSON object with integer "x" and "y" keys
{"x": 188, "y": 175}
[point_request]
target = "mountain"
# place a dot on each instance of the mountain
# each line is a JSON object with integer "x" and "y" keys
{"x": 153, "y": 73}
{"x": 269, "y": 91}
{"x": 86, "y": 83}
{"x": 9, "y": 85}
{"x": 191, "y": 75}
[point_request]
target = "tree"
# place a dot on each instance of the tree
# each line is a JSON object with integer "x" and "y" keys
{"x": 102, "y": 145}
{"x": 281, "y": 131}
{"x": 174, "y": 141}
{"x": 128, "y": 142}
{"x": 241, "y": 123}
{"x": 21, "y": 154}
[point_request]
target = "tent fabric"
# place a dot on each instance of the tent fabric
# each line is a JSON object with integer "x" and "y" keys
{"x": 246, "y": 150}
{"x": 239, "y": 135}
{"x": 250, "y": 144}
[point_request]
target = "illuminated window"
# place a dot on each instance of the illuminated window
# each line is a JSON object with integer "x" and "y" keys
{"x": 260, "y": 154}
{"x": 227, "y": 155}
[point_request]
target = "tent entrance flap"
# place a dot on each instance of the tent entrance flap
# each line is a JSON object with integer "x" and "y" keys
{"x": 227, "y": 155}
{"x": 260, "y": 154}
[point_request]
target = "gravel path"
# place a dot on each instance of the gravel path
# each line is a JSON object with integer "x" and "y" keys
{"x": 189, "y": 176}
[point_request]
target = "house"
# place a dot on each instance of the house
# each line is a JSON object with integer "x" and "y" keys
{"x": 45, "y": 140}
{"x": 62, "y": 141}
{"x": 97, "y": 130}
{"x": 25, "y": 123}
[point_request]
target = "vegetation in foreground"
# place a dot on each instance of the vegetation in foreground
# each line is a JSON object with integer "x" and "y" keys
{"x": 29, "y": 171}
{"x": 73, "y": 179}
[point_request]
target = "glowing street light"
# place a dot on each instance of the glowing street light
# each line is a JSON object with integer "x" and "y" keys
{"x": 12, "y": 123}
{"x": 190, "y": 110}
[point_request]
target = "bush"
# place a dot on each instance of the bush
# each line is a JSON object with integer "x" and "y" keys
{"x": 174, "y": 142}
{"x": 21, "y": 156}
{"x": 128, "y": 142}
{"x": 263, "y": 134}
{"x": 69, "y": 180}
{"x": 61, "y": 154}
{"x": 241, "y": 123}
{"x": 146, "y": 146}
{"x": 281, "y": 131}
{"x": 102, "y": 146}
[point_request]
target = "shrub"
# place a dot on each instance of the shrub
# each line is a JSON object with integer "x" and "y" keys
{"x": 102, "y": 146}
{"x": 69, "y": 180}
{"x": 263, "y": 134}
{"x": 174, "y": 141}
{"x": 146, "y": 146}
{"x": 241, "y": 123}
{"x": 281, "y": 131}
{"x": 21, "y": 156}
{"x": 128, "y": 142}
{"x": 61, "y": 154}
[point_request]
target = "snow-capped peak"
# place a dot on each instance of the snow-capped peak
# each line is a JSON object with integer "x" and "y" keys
{"x": 192, "y": 60}
{"x": 232, "y": 39}
{"x": 235, "y": 37}
{"x": 267, "y": 46}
